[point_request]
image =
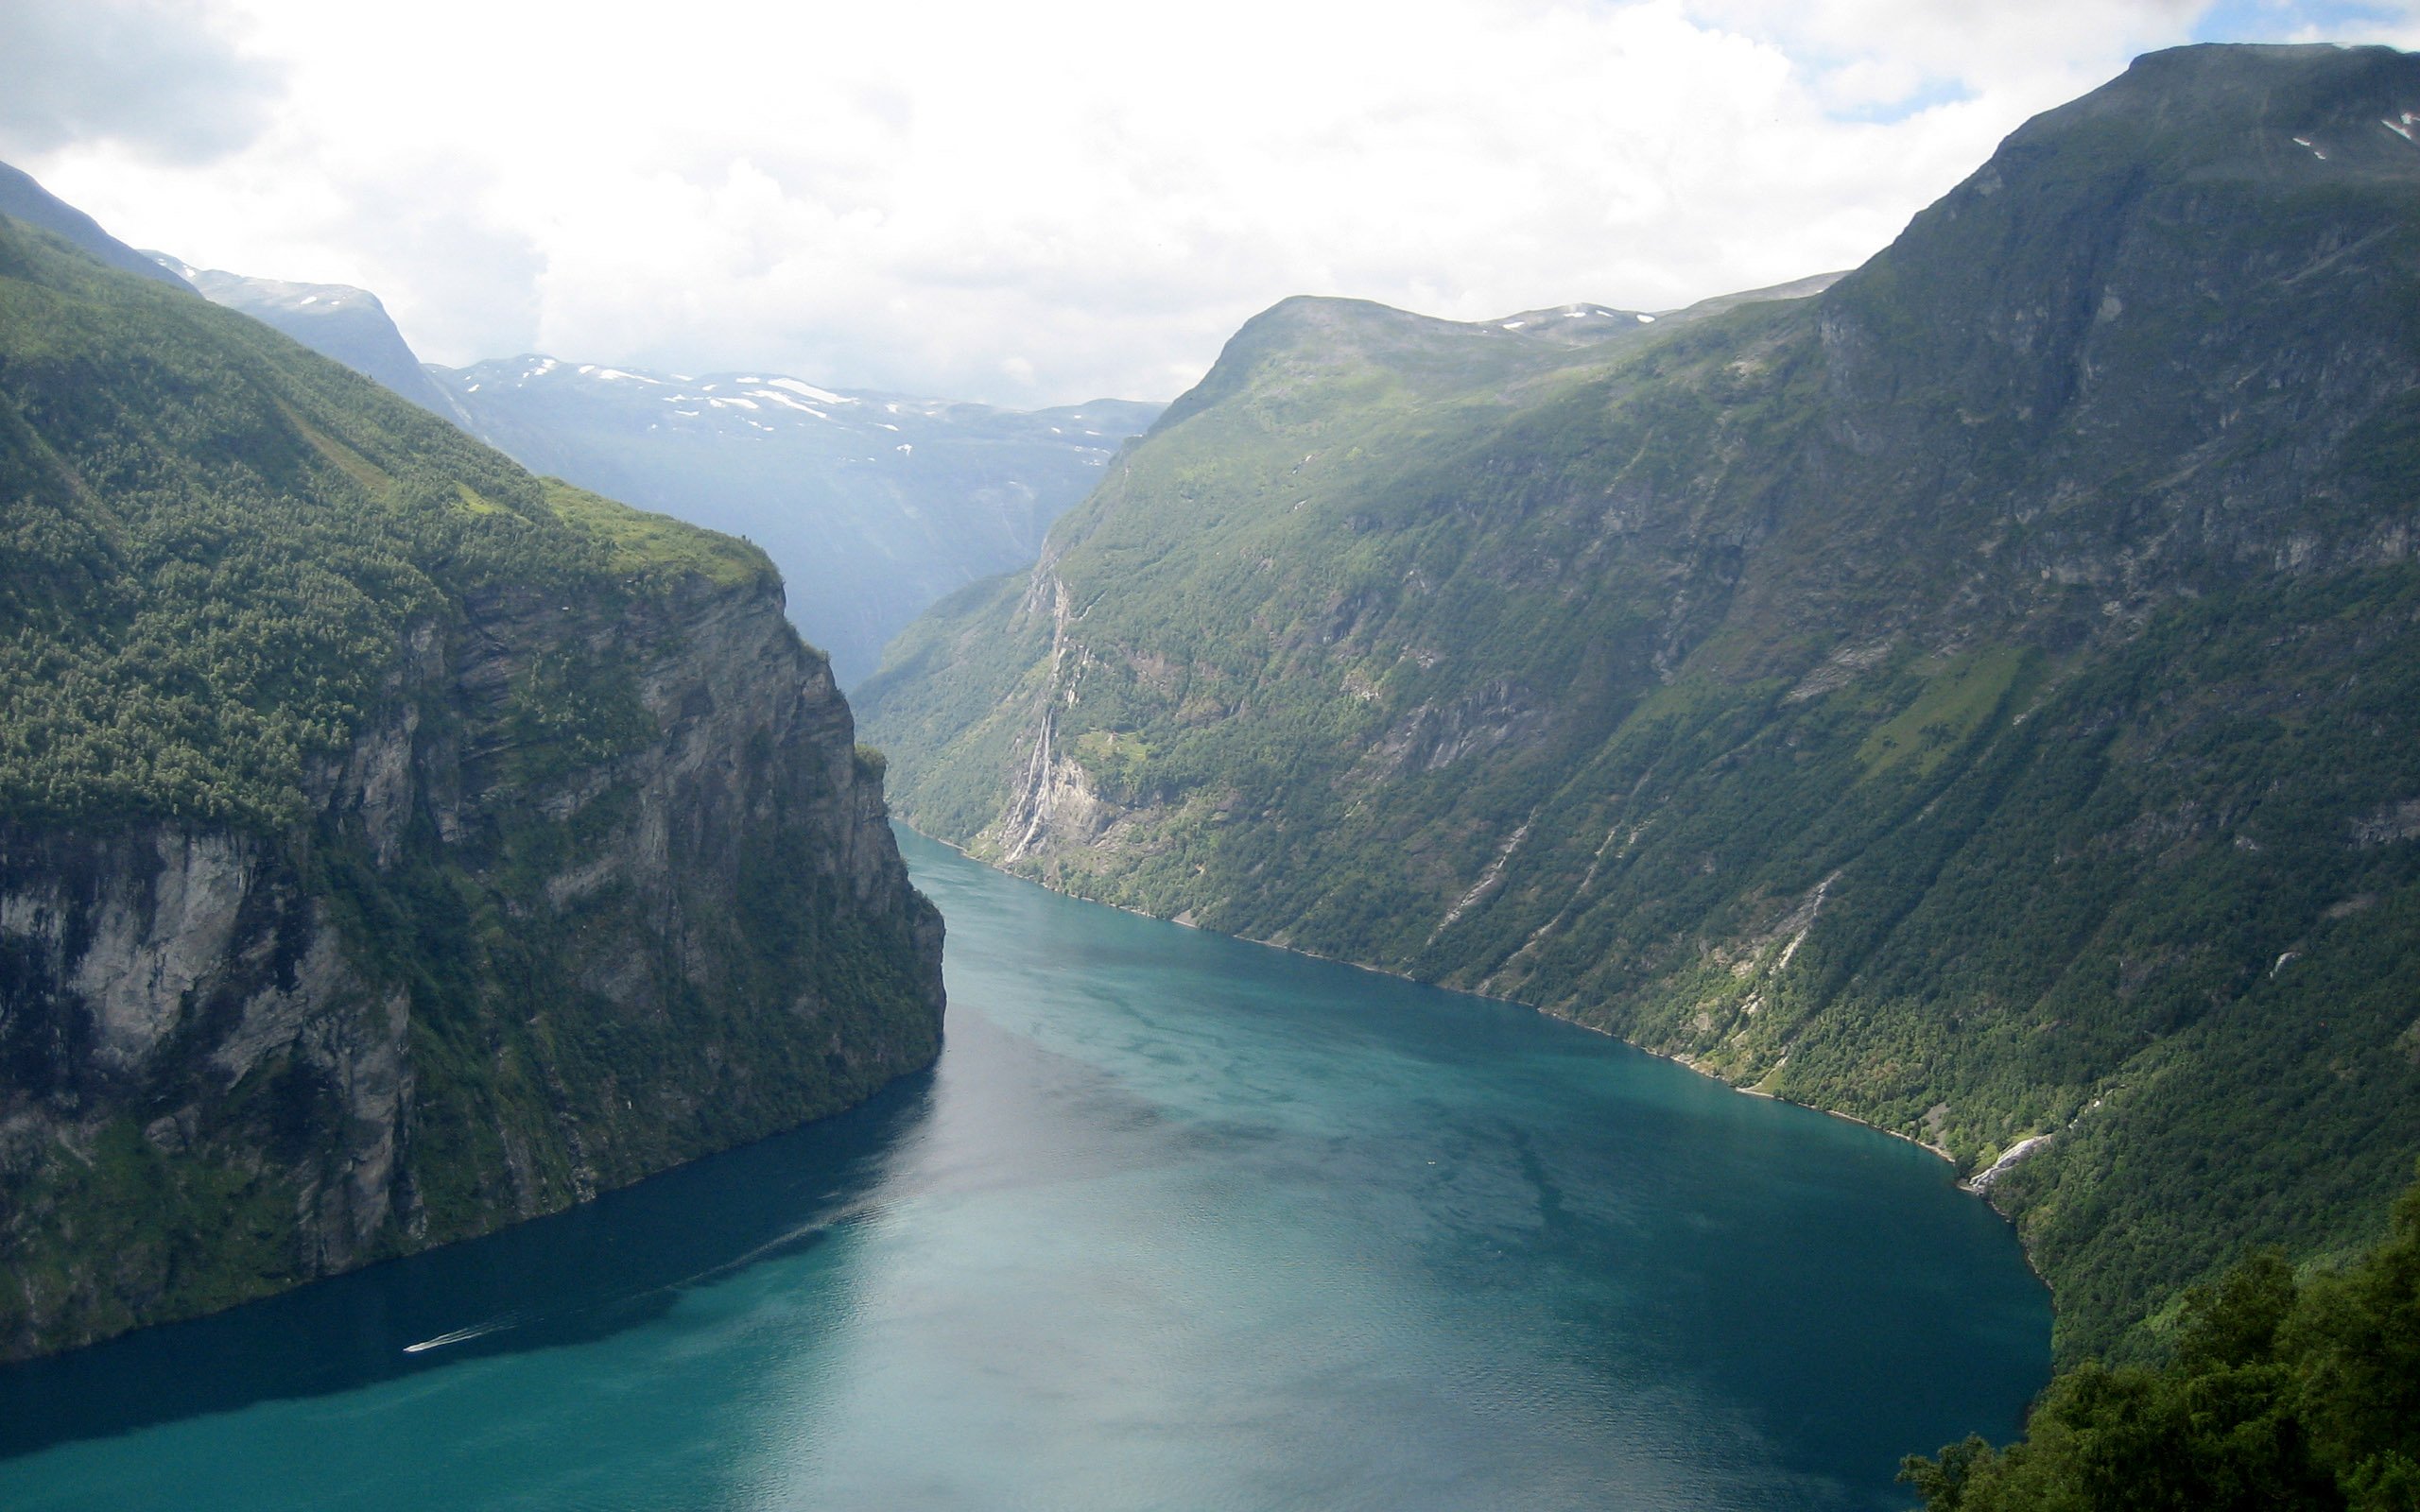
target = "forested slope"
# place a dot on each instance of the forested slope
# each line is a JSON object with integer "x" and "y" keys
{"x": 1980, "y": 697}
{"x": 2285, "y": 1394}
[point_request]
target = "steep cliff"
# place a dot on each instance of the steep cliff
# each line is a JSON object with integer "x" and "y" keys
{"x": 1977, "y": 697}
{"x": 392, "y": 846}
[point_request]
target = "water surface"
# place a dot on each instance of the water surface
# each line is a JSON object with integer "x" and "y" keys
{"x": 1176, "y": 1222}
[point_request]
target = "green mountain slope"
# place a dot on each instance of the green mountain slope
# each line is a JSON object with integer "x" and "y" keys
{"x": 1978, "y": 698}
{"x": 392, "y": 845}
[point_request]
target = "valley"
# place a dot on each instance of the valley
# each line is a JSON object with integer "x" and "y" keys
{"x": 477, "y": 842}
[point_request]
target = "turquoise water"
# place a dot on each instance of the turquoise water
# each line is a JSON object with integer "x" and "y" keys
{"x": 1176, "y": 1222}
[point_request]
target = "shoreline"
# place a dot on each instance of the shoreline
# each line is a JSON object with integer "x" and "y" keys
{"x": 1964, "y": 1184}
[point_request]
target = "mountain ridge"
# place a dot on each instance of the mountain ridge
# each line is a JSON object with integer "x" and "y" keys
{"x": 28, "y": 201}
{"x": 1954, "y": 698}
{"x": 336, "y": 320}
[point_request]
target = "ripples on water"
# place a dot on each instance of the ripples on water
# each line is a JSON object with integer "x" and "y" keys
{"x": 1177, "y": 1223}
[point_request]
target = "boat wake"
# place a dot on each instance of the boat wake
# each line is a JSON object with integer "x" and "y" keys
{"x": 494, "y": 1325}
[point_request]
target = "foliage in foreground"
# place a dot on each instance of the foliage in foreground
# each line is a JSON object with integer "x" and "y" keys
{"x": 2283, "y": 1394}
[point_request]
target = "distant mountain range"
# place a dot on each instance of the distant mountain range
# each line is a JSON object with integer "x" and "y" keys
{"x": 872, "y": 504}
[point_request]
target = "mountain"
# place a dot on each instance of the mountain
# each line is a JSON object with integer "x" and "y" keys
{"x": 872, "y": 505}
{"x": 332, "y": 320}
{"x": 28, "y": 201}
{"x": 394, "y": 844}
{"x": 1978, "y": 697}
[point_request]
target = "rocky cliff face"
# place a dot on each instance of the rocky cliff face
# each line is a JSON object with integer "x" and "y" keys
{"x": 214, "y": 1042}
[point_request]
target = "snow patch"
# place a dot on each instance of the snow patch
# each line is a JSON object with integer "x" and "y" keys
{"x": 1646, "y": 320}
{"x": 313, "y": 299}
{"x": 2401, "y": 129}
{"x": 905, "y": 449}
{"x": 821, "y": 396}
{"x": 1515, "y": 325}
{"x": 719, "y": 402}
{"x": 788, "y": 402}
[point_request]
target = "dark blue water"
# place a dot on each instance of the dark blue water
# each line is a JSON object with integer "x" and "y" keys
{"x": 1178, "y": 1222}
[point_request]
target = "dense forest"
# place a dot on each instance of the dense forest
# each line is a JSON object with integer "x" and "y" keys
{"x": 202, "y": 588}
{"x": 2283, "y": 1393}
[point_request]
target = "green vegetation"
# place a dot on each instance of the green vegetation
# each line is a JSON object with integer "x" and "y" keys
{"x": 2283, "y": 1395}
{"x": 253, "y": 605}
{"x": 202, "y": 587}
{"x": 1986, "y": 723}
{"x": 648, "y": 548}
{"x": 1955, "y": 701}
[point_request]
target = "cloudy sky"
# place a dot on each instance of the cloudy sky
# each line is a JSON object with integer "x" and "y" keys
{"x": 1044, "y": 201}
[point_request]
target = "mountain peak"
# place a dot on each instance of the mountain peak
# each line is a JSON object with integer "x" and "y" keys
{"x": 2225, "y": 182}
{"x": 334, "y": 320}
{"x": 2242, "y": 110}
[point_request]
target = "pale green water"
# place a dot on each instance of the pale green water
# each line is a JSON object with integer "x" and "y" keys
{"x": 1177, "y": 1223}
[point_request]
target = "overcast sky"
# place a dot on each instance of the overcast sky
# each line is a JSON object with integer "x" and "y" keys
{"x": 1038, "y": 202}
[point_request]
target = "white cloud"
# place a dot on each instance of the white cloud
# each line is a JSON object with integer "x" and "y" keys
{"x": 1047, "y": 203}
